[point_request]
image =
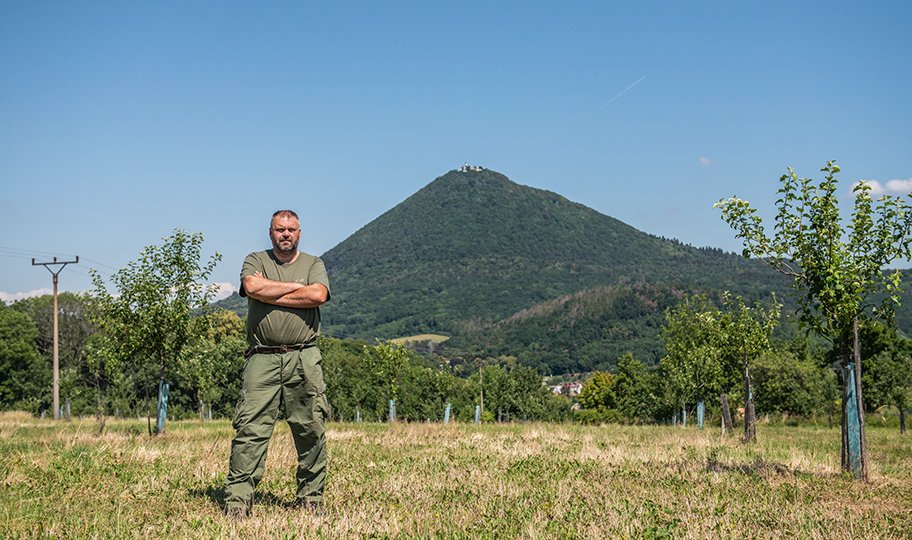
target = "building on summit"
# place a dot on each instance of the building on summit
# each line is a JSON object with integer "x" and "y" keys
{"x": 470, "y": 168}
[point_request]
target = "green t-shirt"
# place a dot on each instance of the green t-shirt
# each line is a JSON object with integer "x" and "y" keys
{"x": 271, "y": 325}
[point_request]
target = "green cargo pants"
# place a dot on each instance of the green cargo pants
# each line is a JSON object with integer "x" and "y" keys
{"x": 294, "y": 381}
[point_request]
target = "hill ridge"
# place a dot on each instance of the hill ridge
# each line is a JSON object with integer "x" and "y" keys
{"x": 478, "y": 246}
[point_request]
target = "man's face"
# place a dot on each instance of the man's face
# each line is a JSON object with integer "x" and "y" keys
{"x": 285, "y": 232}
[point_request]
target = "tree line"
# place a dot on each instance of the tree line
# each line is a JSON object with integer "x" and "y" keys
{"x": 205, "y": 379}
{"x": 727, "y": 349}
{"x": 153, "y": 340}
{"x": 793, "y": 378}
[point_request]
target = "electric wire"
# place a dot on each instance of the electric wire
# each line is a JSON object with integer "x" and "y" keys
{"x": 29, "y": 252}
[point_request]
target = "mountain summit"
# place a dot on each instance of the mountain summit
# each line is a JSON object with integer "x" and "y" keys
{"x": 473, "y": 247}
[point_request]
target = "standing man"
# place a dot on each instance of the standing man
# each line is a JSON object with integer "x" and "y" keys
{"x": 285, "y": 289}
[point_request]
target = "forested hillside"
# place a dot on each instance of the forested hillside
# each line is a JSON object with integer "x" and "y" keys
{"x": 580, "y": 332}
{"x": 476, "y": 247}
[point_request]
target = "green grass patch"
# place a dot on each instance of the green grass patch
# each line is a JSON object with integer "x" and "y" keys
{"x": 436, "y": 339}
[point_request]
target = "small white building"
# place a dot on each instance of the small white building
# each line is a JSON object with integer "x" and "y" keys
{"x": 470, "y": 168}
{"x": 570, "y": 389}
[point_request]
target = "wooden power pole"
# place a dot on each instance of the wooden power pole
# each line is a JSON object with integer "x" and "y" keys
{"x": 481, "y": 388}
{"x": 62, "y": 265}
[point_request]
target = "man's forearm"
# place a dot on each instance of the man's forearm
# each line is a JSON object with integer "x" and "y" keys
{"x": 308, "y": 296}
{"x": 266, "y": 290}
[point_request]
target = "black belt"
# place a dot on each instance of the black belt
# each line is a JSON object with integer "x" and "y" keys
{"x": 278, "y": 349}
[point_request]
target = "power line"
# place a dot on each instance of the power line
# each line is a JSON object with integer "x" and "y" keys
{"x": 12, "y": 256}
{"x": 86, "y": 268}
{"x": 101, "y": 264}
{"x": 21, "y": 251}
{"x": 80, "y": 271}
{"x": 29, "y": 253}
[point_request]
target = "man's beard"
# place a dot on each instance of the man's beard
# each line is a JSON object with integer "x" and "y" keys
{"x": 290, "y": 251}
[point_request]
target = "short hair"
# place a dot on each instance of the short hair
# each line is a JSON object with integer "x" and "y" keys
{"x": 283, "y": 213}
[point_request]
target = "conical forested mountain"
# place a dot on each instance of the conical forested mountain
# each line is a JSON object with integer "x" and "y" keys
{"x": 472, "y": 248}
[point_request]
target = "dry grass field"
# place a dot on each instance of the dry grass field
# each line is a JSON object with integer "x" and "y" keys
{"x": 63, "y": 480}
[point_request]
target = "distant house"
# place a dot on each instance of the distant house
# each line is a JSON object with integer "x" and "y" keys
{"x": 571, "y": 389}
{"x": 470, "y": 168}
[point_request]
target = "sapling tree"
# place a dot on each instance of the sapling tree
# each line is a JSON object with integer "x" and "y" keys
{"x": 24, "y": 378}
{"x": 387, "y": 361}
{"x": 692, "y": 367}
{"x": 746, "y": 334}
{"x": 634, "y": 388}
{"x": 208, "y": 363}
{"x": 836, "y": 271}
{"x": 150, "y": 318}
{"x": 891, "y": 374}
{"x": 888, "y": 370}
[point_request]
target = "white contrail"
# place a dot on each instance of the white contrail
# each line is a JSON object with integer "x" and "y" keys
{"x": 622, "y": 92}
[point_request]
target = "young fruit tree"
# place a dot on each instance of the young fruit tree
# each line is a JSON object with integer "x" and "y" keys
{"x": 888, "y": 369}
{"x": 387, "y": 362}
{"x": 692, "y": 369}
{"x": 837, "y": 272}
{"x": 150, "y": 319}
{"x": 746, "y": 335}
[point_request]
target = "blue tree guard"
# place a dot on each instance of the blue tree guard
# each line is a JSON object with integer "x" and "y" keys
{"x": 700, "y": 414}
{"x": 853, "y": 423}
{"x": 392, "y": 411}
{"x": 477, "y": 414}
{"x": 684, "y": 416}
{"x": 446, "y": 414}
{"x": 674, "y": 420}
{"x": 162, "y": 407}
{"x": 358, "y": 415}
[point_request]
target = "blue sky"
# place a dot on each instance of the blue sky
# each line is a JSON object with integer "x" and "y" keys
{"x": 120, "y": 121}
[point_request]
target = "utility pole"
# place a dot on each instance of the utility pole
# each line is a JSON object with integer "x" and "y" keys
{"x": 481, "y": 386}
{"x": 62, "y": 265}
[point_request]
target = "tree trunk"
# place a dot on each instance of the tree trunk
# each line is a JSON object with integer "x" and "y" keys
{"x": 750, "y": 417}
{"x": 844, "y": 425}
{"x": 99, "y": 405}
{"x": 726, "y": 415}
{"x": 861, "y": 419}
{"x": 854, "y": 447}
{"x": 148, "y": 413}
{"x": 902, "y": 421}
{"x": 481, "y": 389}
{"x": 99, "y": 413}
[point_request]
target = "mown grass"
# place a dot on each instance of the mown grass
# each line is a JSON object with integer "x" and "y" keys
{"x": 436, "y": 339}
{"x": 455, "y": 481}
